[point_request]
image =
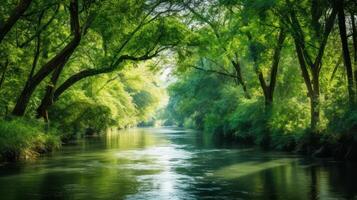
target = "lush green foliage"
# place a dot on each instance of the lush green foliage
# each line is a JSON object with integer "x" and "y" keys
{"x": 82, "y": 66}
{"x": 277, "y": 73}
{"x": 122, "y": 100}
{"x": 22, "y": 139}
{"x": 225, "y": 83}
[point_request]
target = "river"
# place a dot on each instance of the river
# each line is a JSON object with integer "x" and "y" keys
{"x": 171, "y": 163}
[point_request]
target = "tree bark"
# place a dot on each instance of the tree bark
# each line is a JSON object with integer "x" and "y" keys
{"x": 74, "y": 79}
{"x": 305, "y": 61}
{"x": 310, "y": 90}
{"x": 47, "y": 100}
{"x": 345, "y": 50}
{"x": 275, "y": 65}
{"x": 240, "y": 80}
{"x": 15, "y": 15}
{"x": 66, "y": 52}
{"x": 354, "y": 36}
{"x": 269, "y": 88}
{"x": 315, "y": 100}
{"x": 335, "y": 68}
{"x": 4, "y": 72}
{"x": 354, "y": 39}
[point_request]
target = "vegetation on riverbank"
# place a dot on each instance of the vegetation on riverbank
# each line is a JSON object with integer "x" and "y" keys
{"x": 22, "y": 139}
{"x": 280, "y": 73}
{"x": 78, "y": 67}
{"x": 216, "y": 106}
{"x": 80, "y": 113}
{"x": 274, "y": 73}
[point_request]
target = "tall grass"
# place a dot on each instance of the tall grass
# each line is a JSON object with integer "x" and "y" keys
{"x": 23, "y": 139}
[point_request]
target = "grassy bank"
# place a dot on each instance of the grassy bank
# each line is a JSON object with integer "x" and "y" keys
{"x": 285, "y": 127}
{"x": 25, "y": 139}
{"x": 338, "y": 139}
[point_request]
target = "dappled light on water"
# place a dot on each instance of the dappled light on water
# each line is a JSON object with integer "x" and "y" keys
{"x": 171, "y": 163}
{"x": 250, "y": 167}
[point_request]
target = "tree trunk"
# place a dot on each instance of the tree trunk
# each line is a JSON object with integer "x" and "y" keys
{"x": 268, "y": 88}
{"x": 305, "y": 61}
{"x": 275, "y": 65}
{"x": 245, "y": 89}
{"x": 354, "y": 36}
{"x": 315, "y": 100}
{"x": 66, "y": 52}
{"x": 310, "y": 90}
{"x": 346, "y": 52}
{"x": 15, "y": 15}
{"x": 27, "y": 92}
{"x": 269, "y": 100}
{"x": 238, "y": 70}
{"x": 73, "y": 80}
{"x": 94, "y": 72}
{"x": 4, "y": 72}
{"x": 354, "y": 39}
{"x": 47, "y": 101}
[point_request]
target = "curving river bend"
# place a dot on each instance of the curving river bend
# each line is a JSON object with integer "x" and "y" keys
{"x": 169, "y": 163}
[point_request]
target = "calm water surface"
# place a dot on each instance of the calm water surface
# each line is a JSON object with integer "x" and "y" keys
{"x": 170, "y": 163}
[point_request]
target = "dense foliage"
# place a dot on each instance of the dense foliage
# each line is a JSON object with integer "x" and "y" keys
{"x": 80, "y": 65}
{"x": 274, "y": 73}
{"x": 23, "y": 139}
{"x": 279, "y": 73}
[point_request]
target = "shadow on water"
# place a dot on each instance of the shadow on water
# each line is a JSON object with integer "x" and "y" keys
{"x": 172, "y": 163}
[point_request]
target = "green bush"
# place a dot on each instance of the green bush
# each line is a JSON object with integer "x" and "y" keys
{"x": 80, "y": 117}
{"x": 249, "y": 122}
{"x": 20, "y": 139}
{"x": 342, "y": 134}
{"x": 345, "y": 122}
{"x": 288, "y": 124}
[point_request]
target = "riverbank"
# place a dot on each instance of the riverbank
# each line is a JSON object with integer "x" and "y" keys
{"x": 337, "y": 142}
{"x": 171, "y": 163}
{"x": 284, "y": 128}
{"x": 342, "y": 148}
{"x": 24, "y": 139}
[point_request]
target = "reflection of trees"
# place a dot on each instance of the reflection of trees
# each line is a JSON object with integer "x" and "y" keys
{"x": 314, "y": 192}
{"x": 79, "y": 180}
{"x": 132, "y": 139}
{"x": 269, "y": 180}
{"x": 87, "y": 172}
{"x": 343, "y": 179}
{"x": 240, "y": 173}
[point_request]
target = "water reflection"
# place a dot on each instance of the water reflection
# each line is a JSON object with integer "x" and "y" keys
{"x": 173, "y": 164}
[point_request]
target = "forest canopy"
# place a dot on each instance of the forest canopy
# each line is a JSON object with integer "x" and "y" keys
{"x": 279, "y": 73}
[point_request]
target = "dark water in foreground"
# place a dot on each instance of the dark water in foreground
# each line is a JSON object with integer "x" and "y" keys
{"x": 168, "y": 163}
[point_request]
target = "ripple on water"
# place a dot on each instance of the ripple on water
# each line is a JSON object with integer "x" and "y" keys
{"x": 155, "y": 164}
